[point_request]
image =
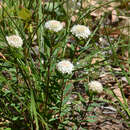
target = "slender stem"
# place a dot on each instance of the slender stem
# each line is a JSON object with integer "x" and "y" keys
{"x": 53, "y": 9}
{"x": 47, "y": 86}
{"x": 48, "y": 79}
{"x": 62, "y": 95}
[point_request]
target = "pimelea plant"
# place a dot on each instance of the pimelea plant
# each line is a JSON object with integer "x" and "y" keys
{"x": 41, "y": 82}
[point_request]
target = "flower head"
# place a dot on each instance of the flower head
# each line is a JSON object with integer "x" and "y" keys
{"x": 65, "y": 66}
{"x": 80, "y": 31}
{"x": 54, "y": 25}
{"x": 14, "y": 41}
{"x": 95, "y": 86}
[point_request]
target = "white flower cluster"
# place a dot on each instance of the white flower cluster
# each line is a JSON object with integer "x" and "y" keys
{"x": 14, "y": 41}
{"x": 65, "y": 66}
{"x": 54, "y": 25}
{"x": 80, "y": 31}
{"x": 95, "y": 86}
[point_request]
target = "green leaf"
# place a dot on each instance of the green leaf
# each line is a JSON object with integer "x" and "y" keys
{"x": 95, "y": 104}
{"x": 2, "y": 79}
{"x": 7, "y": 128}
{"x": 72, "y": 47}
{"x": 67, "y": 88}
{"x": 25, "y": 14}
{"x": 89, "y": 109}
{"x": 47, "y": 42}
{"x": 43, "y": 121}
{"x": 15, "y": 118}
{"x": 81, "y": 98}
{"x": 33, "y": 110}
{"x": 74, "y": 127}
{"x": 91, "y": 116}
{"x": 90, "y": 120}
{"x": 53, "y": 119}
{"x": 66, "y": 99}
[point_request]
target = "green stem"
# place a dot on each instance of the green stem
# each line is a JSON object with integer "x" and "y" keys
{"x": 47, "y": 86}
{"x": 62, "y": 95}
{"x": 48, "y": 80}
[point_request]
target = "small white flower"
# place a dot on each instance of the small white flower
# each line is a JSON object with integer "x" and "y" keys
{"x": 14, "y": 41}
{"x": 54, "y": 25}
{"x": 95, "y": 86}
{"x": 80, "y": 31}
{"x": 65, "y": 66}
